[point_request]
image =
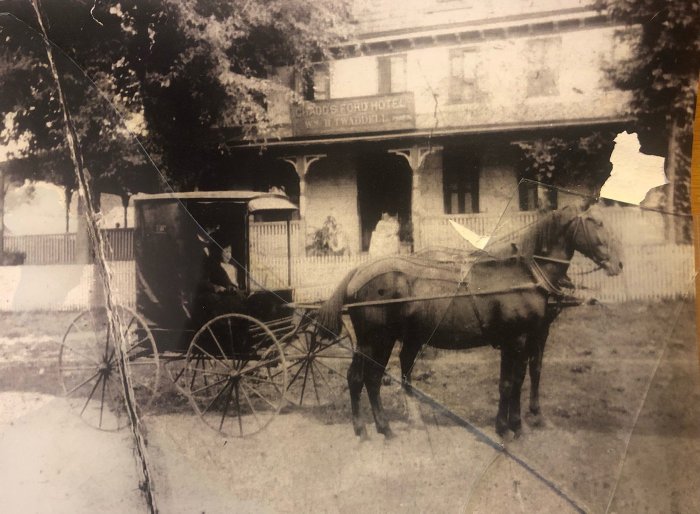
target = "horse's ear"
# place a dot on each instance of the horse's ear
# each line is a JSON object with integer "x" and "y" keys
{"x": 568, "y": 214}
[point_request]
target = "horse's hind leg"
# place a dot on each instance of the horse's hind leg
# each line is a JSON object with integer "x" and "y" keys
{"x": 374, "y": 370}
{"x": 409, "y": 351}
{"x": 536, "y": 350}
{"x": 356, "y": 381}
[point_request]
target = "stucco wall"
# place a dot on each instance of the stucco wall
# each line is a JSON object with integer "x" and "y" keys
{"x": 430, "y": 187}
{"x": 498, "y": 181}
{"x": 331, "y": 190}
{"x": 578, "y": 58}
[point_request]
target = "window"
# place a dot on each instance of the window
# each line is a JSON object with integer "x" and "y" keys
{"x": 391, "y": 74}
{"x": 532, "y": 196}
{"x": 543, "y": 56}
{"x": 314, "y": 84}
{"x": 460, "y": 179}
{"x": 463, "y": 67}
{"x": 321, "y": 82}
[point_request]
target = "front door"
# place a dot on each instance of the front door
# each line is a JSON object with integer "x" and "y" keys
{"x": 383, "y": 187}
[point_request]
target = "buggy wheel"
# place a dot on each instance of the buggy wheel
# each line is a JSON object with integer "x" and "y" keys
{"x": 317, "y": 365}
{"x": 234, "y": 375}
{"x": 89, "y": 371}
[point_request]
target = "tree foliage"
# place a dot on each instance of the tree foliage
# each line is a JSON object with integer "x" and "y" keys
{"x": 662, "y": 73}
{"x": 576, "y": 160}
{"x": 175, "y": 71}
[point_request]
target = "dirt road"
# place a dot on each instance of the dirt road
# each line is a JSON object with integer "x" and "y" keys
{"x": 622, "y": 435}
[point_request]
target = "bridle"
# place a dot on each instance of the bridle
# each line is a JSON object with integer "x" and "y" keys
{"x": 576, "y": 224}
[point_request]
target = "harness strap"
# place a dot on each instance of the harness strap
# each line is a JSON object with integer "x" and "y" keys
{"x": 472, "y": 301}
{"x": 371, "y": 303}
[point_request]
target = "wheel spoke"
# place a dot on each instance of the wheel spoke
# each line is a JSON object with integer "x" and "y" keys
{"x": 102, "y": 400}
{"x": 313, "y": 382}
{"x": 262, "y": 363}
{"x": 216, "y": 340}
{"x": 211, "y": 403}
{"x": 327, "y": 367}
{"x": 77, "y": 368}
{"x": 303, "y": 385}
{"x": 212, "y": 372}
{"x": 257, "y": 393}
{"x": 68, "y": 393}
{"x": 209, "y": 386}
{"x": 207, "y": 353}
{"x": 91, "y": 393}
{"x": 238, "y": 411}
{"x": 81, "y": 354}
{"x": 325, "y": 380}
{"x": 228, "y": 401}
{"x": 250, "y": 404}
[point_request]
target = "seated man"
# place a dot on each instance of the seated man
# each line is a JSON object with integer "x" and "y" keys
{"x": 217, "y": 292}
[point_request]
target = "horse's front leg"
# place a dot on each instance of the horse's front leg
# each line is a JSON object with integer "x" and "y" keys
{"x": 519, "y": 369}
{"x": 356, "y": 382}
{"x": 513, "y": 368}
{"x": 536, "y": 346}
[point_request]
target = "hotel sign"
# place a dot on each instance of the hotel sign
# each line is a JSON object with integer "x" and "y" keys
{"x": 354, "y": 115}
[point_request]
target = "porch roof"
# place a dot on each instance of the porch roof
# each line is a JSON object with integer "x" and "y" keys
{"x": 432, "y": 134}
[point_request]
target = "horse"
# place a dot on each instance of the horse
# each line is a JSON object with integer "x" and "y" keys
{"x": 503, "y": 299}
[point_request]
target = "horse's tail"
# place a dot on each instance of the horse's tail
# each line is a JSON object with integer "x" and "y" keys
{"x": 330, "y": 314}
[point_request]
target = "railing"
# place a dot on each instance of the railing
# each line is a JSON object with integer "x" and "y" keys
{"x": 60, "y": 248}
{"x": 654, "y": 272}
{"x": 631, "y": 225}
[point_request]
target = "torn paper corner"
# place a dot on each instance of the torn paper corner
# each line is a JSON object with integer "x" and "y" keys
{"x": 633, "y": 174}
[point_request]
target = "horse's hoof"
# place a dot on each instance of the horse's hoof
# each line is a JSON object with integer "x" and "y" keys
{"x": 517, "y": 433}
{"x": 388, "y": 433}
{"x": 501, "y": 429}
{"x": 361, "y": 432}
{"x": 535, "y": 420}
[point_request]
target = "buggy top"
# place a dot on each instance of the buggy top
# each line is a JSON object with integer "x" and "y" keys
{"x": 175, "y": 234}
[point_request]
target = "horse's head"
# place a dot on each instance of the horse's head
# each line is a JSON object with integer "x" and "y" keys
{"x": 589, "y": 235}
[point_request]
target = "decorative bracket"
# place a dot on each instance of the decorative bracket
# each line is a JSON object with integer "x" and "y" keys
{"x": 302, "y": 163}
{"x": 415, "y": 155}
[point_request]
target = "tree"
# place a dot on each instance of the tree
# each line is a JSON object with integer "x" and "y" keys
{"x": 662, "y": 74}
{"x": 177, "y": 70}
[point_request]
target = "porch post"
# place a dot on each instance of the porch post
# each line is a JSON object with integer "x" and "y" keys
{"x": 415, "y": 156}
{"x": 301, "y": 165}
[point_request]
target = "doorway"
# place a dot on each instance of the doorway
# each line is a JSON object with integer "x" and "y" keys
{"x": 383, "y": 186}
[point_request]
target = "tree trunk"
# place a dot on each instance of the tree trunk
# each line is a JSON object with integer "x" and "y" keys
{"x": 2, "y": 213}
{"x": 83, "y": 245}
{"x": 677, "y": 201}
{"x": 125, "y": 204}
{"x": 68, "y": 197}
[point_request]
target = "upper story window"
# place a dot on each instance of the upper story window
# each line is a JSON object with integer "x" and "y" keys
{"x": 460, "y": 179}
{"x": 312, "y": 84}
{"x": 463, "y": 71}
{"x": 391, "y": 72}
{"x": 321, "y": 82}
{"x": 542, "y": 57}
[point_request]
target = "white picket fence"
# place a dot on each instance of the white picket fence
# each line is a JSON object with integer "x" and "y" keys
{"x": 651, "y": 272}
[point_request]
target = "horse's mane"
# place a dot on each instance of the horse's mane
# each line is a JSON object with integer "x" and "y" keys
{"x": 539, "y": 236}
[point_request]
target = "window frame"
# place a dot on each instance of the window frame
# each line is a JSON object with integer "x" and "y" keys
{"x": 386, "y": 75}
{"x": 458, "y": 81}
{"x": 460, "y": 175}
{"x": 542, "y": 75}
